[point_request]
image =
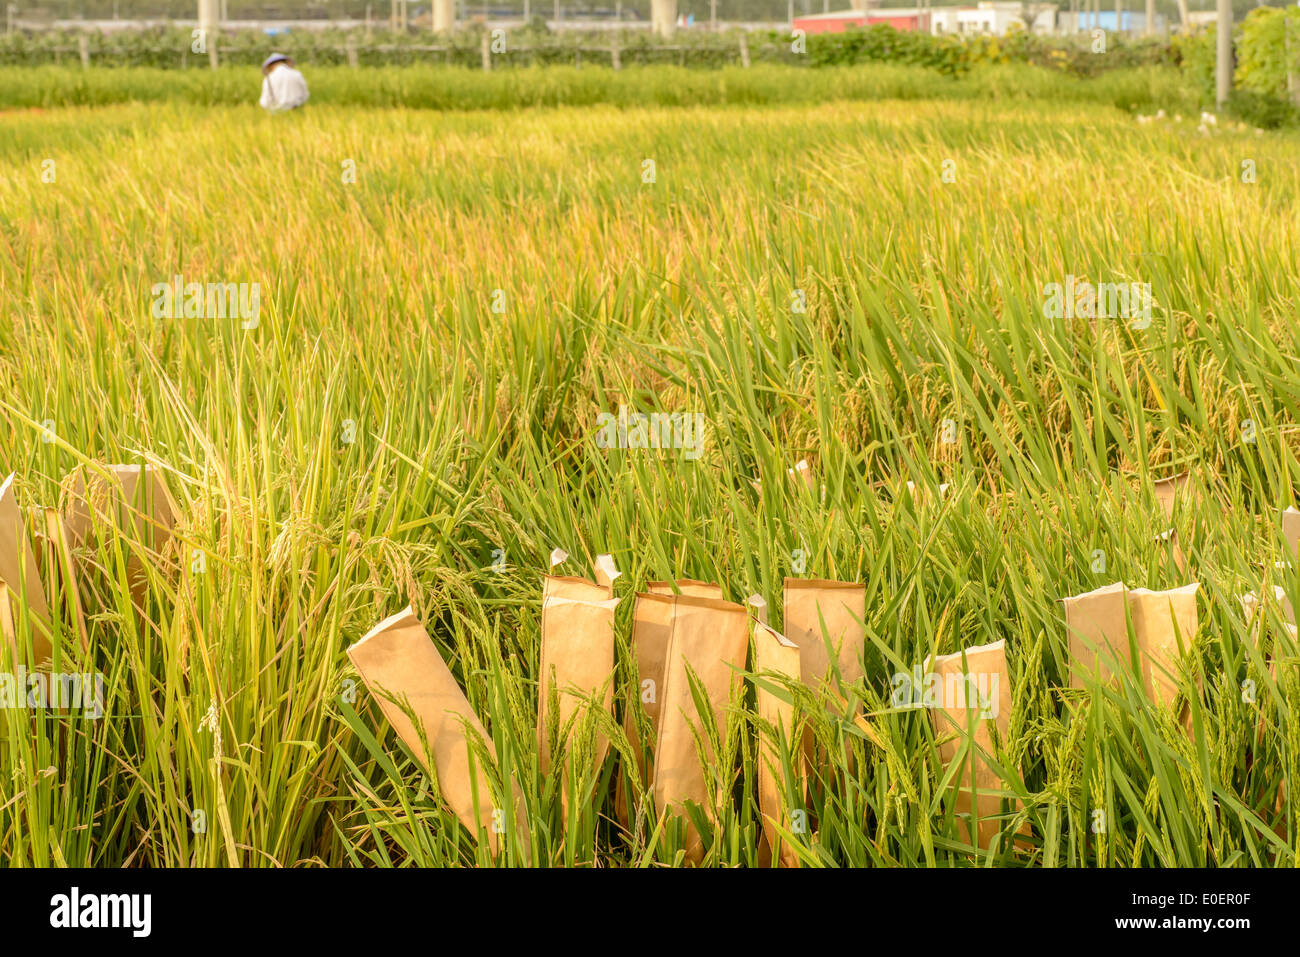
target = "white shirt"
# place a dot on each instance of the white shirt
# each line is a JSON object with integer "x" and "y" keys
{"x": 283, "y": 89}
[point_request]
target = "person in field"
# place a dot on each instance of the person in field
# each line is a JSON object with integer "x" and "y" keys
{"x": 283, "y": 87}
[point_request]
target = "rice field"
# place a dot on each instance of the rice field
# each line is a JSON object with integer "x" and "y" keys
{"x": 449, "y": 303}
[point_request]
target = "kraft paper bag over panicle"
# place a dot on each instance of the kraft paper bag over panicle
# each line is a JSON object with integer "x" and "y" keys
{"x": 1291, "y": 531}
{"x": 652, "y": 620}
{"x": 20, "y": 577}
{"x": 710, "y": 638}
{"x": 1161, "y": 620}
{"x": 973, "y": 699}
{"x": 580, "y": 589}
{"x": 1170, "y": 491}
{"x": 398, "y": 660}
{"x": 774, "y": 655}
{"x": 690, "y": 587}
{"x": 606, "y": 571}
{"x": 577, "y": 666}
{"x": 572, "y": 588}
{"x": 1096, "y": 624}
{"x": 816, "y": 611}
{"x": 132, "y": 498}
{"x": 1099, "y": 636}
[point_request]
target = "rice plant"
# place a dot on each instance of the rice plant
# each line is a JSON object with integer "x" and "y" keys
{"x": 450, "y": 300}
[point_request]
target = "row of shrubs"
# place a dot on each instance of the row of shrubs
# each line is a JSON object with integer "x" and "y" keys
{"x": 1260, "y": 94}
{"x": 169, "y": 48}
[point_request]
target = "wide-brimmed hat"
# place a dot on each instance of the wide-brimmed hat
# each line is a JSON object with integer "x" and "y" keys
{"x": 274, "y": 58}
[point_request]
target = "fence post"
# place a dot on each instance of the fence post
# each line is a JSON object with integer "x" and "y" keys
{"x": 744, "y": 50}
{"x": 352, "y": 51}
{"x": 1288, "y": 51}
{"x": 83, "y": 48}
{"x": 613, "y": 53}
{"x": 487, "y": 51}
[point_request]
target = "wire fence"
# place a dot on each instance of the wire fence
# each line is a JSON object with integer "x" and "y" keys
{"x": 489, "y": 51}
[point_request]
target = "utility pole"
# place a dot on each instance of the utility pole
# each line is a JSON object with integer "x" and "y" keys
{"x": 1288, "y": 50}
{"x": 1223, "y": 53}
{"x": 663, "y": 17}
{"x": 209, "y": 18}
{"x": 1150, "y": 25}
{"x": 444, "y": 16}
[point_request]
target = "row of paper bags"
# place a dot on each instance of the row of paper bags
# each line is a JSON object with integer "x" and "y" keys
{"x": 676, "y": 626}
{"x": 687, "y": 627}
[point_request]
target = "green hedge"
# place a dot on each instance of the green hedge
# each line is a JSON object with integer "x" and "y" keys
{"x": 534, "y": 45}
{"x": 1259, "y": 44}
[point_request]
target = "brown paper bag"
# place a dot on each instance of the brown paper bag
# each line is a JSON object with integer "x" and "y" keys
{"x": 1171, "y": 490}
{"x": 19, "y": 573}
{"x": 577, "y": 664}
{"x": 574, "y": 589}
{"x": 398, "y": 659}
{"x": 1162, "y": 619}
{"x": 1096, "y": 624}
{"x": 818, "y": 612}
{"x": 652, "y": 618}
{"x": 652, "y": 613}
{"x": 1170, "y": 539}
{"x": 711, "y": 638}
{"x": 973, "y": 698}
{"x": 132, "y": 498}
{"x": 605, "y": 572}
{"x": 1099, "y": 637}
{"x": 690, "y": 587}
{"x": 8, "y": 631}
{"x": 580, "y": 589}
{"x": 774, "y": 654}
{"x": 821, "y": 611}
{"x": 1291, "y": 531}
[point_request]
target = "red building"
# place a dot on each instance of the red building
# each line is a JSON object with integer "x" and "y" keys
{"x": 906, "y": 18}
